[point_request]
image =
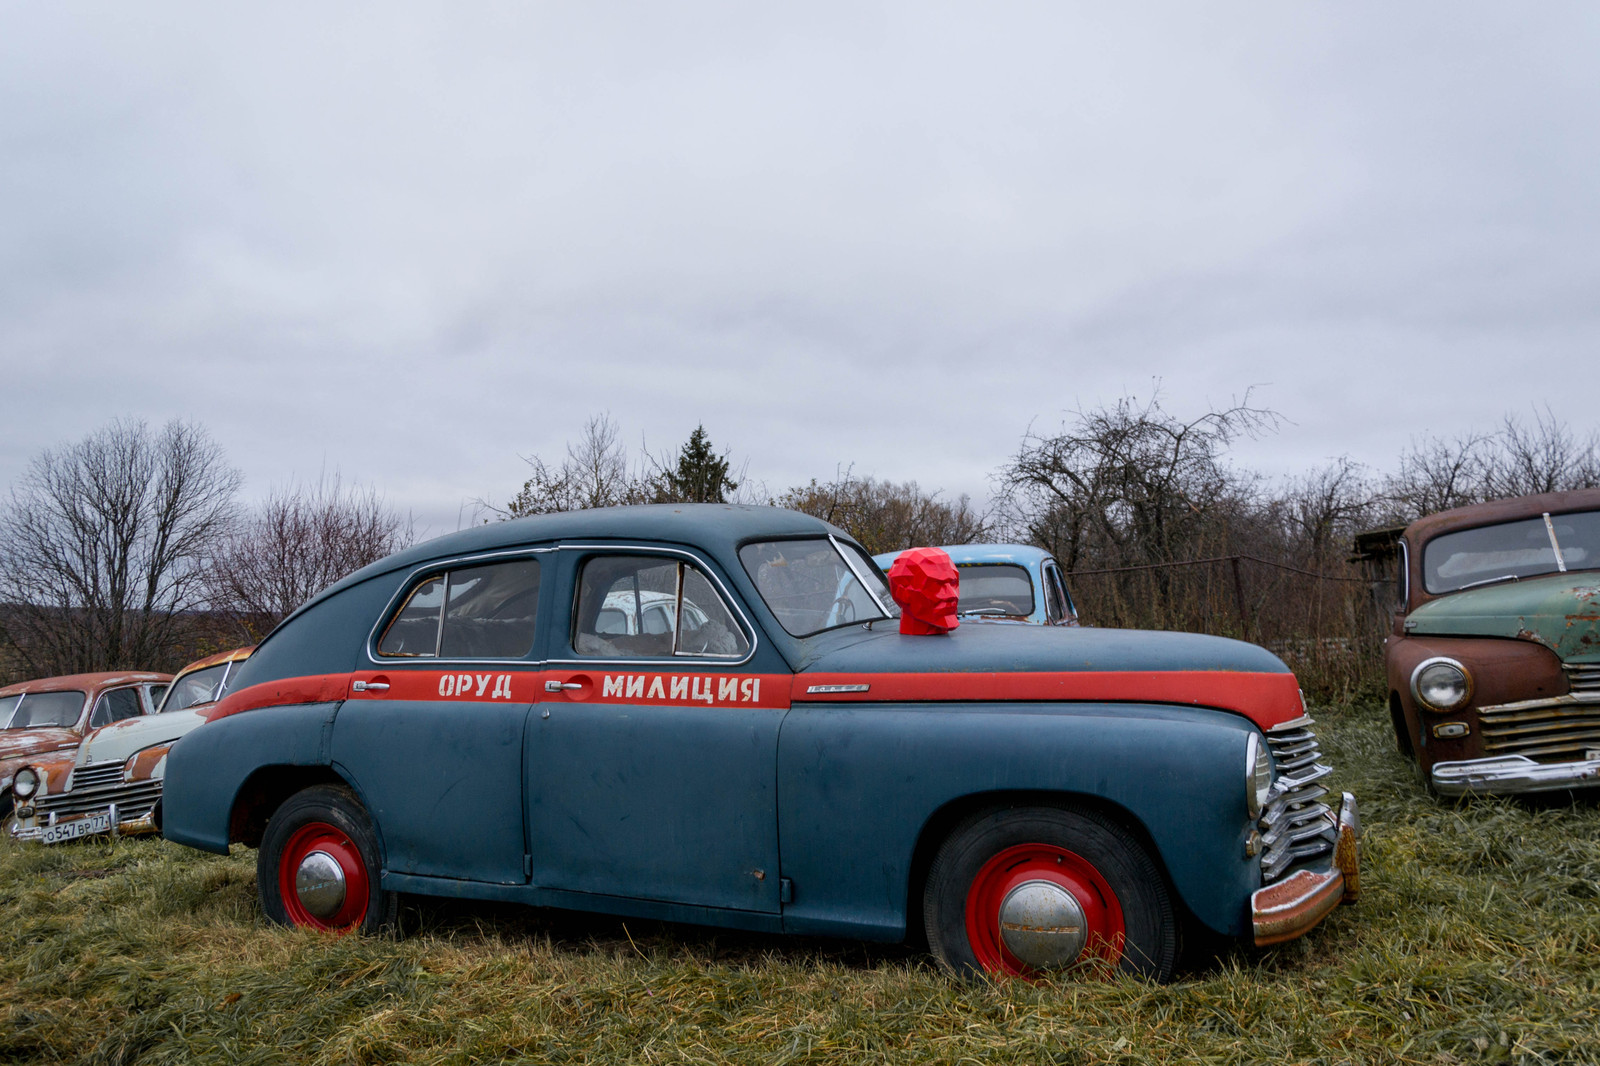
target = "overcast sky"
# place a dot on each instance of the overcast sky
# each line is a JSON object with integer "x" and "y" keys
{"x": 412, "y": 243}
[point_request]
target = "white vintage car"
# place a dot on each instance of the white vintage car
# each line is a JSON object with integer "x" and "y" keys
{"x": 112, "y": 782}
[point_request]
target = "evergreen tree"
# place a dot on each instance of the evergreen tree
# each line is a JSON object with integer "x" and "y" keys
{"x": 701, "y": 476}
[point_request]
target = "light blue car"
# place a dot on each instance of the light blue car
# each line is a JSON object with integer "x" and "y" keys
{"x": 1003, "y": 583}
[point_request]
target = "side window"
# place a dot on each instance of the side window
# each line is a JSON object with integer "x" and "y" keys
{"x": 153, "y": 694}
{"x": 114, "y": 706}
{"x": 642, "y": 606}
{"x": 472, "y": 612}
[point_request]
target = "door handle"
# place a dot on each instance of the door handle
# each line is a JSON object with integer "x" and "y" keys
{"x": 561, "y": 686}
{"x": 369, "y": 686}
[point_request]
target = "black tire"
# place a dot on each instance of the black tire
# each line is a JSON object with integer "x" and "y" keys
{"x": 1128, "y": 915}
{"x": 325, "y": 819}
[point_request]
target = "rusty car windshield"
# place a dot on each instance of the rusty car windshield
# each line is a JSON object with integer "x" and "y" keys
{"x": 1524, "y": 548}
{"x": 38, "y": 709}
{"x": 810, "y": 586}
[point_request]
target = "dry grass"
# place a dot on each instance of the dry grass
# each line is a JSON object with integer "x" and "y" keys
{"x": 1478, "y": 939}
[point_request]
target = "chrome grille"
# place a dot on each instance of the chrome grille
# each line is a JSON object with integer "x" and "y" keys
{"x": 96, "y": 774}
{"x": 1295, "y": 824}
{"x": 96, "y": 787}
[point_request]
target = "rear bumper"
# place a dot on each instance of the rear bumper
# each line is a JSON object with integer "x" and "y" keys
{"x": 1292, "y": 907}
{"x": 1507, "y": 774}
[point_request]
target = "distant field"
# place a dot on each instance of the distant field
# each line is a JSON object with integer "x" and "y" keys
{"x": 1477, "y": 939}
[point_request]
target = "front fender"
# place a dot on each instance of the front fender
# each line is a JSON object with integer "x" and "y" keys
{"x": 207, "y": 767}
{"x": 858, "y": 785}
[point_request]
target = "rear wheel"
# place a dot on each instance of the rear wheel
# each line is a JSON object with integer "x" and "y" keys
{"x": 1028, "y": 890}
{"x": 318, "y": 864}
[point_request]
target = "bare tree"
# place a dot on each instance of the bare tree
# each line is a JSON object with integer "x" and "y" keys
{"x": 885, "y": 516}
{"x": 1515, "y": 460}
{"x": 593, "y": 474}
{"x": 299, "y": 541}
{"x": 1130, "y": 484}
{"x": 102, "y": 545}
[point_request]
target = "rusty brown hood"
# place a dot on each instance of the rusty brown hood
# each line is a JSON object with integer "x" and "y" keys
{"x": 15, "y": 743}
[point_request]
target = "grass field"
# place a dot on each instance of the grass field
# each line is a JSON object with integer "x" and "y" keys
{"x": 1477, "y": 939}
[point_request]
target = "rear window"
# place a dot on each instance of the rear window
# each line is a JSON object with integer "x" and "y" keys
{"x": 809, "y": 586}
{"x": 472, "y": 612}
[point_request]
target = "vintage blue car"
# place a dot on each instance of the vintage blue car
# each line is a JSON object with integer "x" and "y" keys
{"x": 1006, "y": 583}
{"x": 503, "y": 713}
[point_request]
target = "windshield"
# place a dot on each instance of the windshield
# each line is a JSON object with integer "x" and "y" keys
{"x": 996, "y": 589}
{"x": 1523, "y": 548}
{"x": 809, "y": 586}
{"x": 194, "y": 688}
{"x": 37, "y": 709}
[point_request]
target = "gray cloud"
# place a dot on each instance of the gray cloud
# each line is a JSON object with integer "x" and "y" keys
{"x": 412, "y": 242}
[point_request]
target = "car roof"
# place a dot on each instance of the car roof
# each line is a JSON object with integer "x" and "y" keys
{"x": 683, "y": 523}
{"x": 968, "y": 554}
{"x": 1484, "y": 514}
{"x": 83, "y": 682}
{"x": 233, "y": 655}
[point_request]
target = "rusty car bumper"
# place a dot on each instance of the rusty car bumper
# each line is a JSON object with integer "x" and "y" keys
{"x": 1506, "y": 774}
{"x": 1291, "y": 907}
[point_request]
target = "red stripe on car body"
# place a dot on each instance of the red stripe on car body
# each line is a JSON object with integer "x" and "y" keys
{"x": 1266, "y": 699}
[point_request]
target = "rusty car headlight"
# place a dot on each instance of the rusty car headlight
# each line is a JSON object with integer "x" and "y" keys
{"x": 1258, "y": 776}
{"x": 1441, "y": 684}
{"x": 26, "y": 783}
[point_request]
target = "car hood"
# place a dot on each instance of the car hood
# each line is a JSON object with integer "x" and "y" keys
{"x": 15, "y": 743}
{"x": 1049, "y": 663}
{"x": 1560, "y": 611}
{"x": 119, "y": 740}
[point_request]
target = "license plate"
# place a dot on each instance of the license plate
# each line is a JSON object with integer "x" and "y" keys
{"x": 78, "y": 827}
{"x": 1592, "y": 754}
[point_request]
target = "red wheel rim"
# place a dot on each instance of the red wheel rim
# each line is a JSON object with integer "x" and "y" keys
{"x": 320, "y": 836}
{"x": 1041, "y": 862}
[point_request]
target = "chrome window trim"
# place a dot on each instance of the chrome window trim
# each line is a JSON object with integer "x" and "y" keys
{"x": 1405, "y": 574}
{"x": 728, "y": 599}
{"x": 865, "y": 585}
{"x": 443, "y": 566}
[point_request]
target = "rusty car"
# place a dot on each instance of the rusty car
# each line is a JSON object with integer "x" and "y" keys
{"x": 52, "y": 714}
{"x": 1493, "y": 663}
{"x": 776, "y": 753}
{"x": 1006, "y": 583}
{"x": 112, "y": 782}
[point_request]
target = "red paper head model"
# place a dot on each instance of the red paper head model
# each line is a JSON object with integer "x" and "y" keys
{"x": 924, "y": 582}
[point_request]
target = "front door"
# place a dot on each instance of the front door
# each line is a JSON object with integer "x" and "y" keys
{"x": 652, "y": 767}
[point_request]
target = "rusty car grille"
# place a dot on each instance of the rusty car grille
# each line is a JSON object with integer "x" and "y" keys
{"x": 1295, "y": 824}
{"x": 96, "y": 787}
{"x": 1583, "y": 679}
{"x": 1563, "y": 729}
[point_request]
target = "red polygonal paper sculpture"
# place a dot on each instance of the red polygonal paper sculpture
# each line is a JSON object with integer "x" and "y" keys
{"x": 924, "y": 582}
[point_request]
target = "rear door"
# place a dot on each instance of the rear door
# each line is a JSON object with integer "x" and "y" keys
{"x": 433, "y": 730}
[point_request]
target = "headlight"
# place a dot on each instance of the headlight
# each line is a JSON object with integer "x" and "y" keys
{"x": 1257, "y": 776}
{"x": 1441, "y": 684}
{"x": 26, "y": 783}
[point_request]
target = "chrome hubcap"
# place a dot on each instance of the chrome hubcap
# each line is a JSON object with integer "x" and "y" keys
{"x": 1042, "y": 924}
{"x": 319, "y": 883}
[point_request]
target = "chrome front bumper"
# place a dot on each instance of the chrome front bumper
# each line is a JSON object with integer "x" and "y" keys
{"x": 1291, "y": 907}
{"x": 1507, "y": 774}
{"x": 34, "y": 830}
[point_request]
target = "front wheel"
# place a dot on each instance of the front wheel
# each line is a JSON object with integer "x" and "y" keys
{"x": 318, "y": 864}
{"x": 1026, "y": 890}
